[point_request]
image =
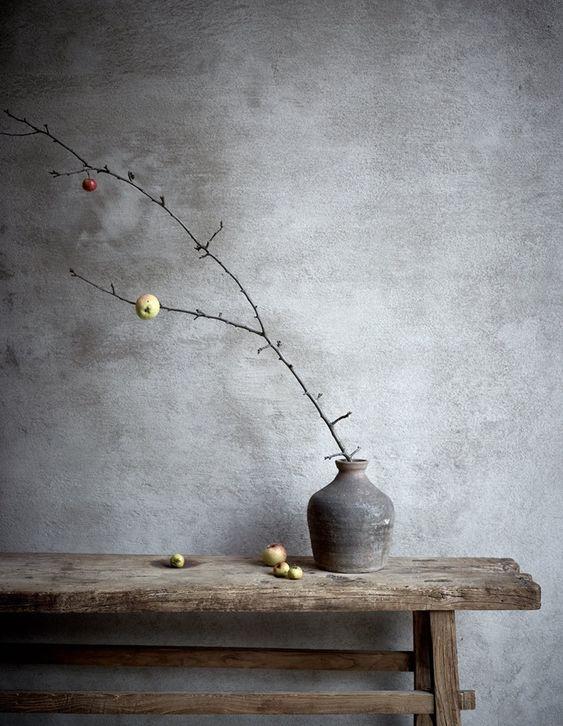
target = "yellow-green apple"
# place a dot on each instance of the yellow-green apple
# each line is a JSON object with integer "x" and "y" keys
{"x": 147, "y": 306}
{"x": 177, "y": 561}
{"x": 295, "y": 572}
{"x": 273, "y": 554}
{"x": 281, "y": 569}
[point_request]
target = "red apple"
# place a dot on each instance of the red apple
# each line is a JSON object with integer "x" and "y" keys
{"x": 89, "y": 184}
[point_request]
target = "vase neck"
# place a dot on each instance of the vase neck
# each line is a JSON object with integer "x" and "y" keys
{"x": 355, "y": 466}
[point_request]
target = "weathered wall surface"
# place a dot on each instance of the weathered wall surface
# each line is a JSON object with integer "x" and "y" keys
{"x": 387, "y": 176}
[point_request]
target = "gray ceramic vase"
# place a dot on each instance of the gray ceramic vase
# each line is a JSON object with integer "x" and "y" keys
{"x": 350, "y": 522}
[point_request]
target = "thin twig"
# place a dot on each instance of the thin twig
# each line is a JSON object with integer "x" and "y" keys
{"x": 219, "y": 228}
{"x": 339, "y": 453}
{"x": 55, "y": 173}
{"x": 196, "y": 313}
{"x": 345, "y": 415}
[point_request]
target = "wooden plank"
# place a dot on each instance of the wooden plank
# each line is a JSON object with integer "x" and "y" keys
{"x": 467, "y": 700}
{"x": 376, "y": 702}
{"x": 204, "y": 657}
{"x": 65, "y": 583}
{"x": 423, "y": 675}
{"x": 91, "y": 702}
{"x": 446, "y": 679}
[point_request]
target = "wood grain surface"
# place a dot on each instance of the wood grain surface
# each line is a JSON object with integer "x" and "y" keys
{"x": 187, "y": 656}
{"x": 446, "y": 678}
{"x": 423, "y": 664}
{"x": 222, "y": 703}
{"x": 82, "y": 583}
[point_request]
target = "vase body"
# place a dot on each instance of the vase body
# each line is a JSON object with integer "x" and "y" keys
{"x": 350, "y": 522}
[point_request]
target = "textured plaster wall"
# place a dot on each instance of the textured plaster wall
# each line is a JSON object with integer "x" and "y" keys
{"x": 387, "y": 173}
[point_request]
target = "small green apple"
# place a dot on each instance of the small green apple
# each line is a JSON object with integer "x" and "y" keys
{"x": 177, "y": 561}
{"x": 294, "y": 572}
{"x": 281, "y": 569}
{"x": 147, "y": 307}
{"x": 273, "y": 554}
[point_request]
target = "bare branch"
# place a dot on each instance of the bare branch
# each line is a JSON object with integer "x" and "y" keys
{"x": 160, "y": 201}
{"x": 206, "y": 245}
{"x": 197, "y": 313}
{"x": 340, "y": 453}
{"x": 345, "y": 415}
{"x": 333, "y": 456}
{"x": 55, "y": 173}
{"x": 102, "y": 289}
{"x": 314, "y": 401}
{"x": 27, "y": 133}
{"x": 45, "y": 132}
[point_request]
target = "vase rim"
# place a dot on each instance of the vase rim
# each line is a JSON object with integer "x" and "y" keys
{"x": 354, "y": 465}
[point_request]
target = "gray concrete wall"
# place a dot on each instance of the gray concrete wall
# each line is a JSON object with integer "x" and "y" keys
{"x": 387, "y": 176}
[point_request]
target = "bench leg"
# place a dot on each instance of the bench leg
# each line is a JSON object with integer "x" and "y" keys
{"x": 423, "y": 676}
{"x": 446, "y": 678}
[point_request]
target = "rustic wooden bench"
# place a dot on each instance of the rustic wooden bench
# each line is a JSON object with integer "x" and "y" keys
{"x": 432, "y": 589}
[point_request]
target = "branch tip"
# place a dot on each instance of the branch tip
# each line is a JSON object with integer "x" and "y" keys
{"x": 344, "y": 415}
{"x": 206, "y": 245}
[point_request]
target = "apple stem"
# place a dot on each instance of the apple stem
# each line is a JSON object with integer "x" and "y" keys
{"x": 199, "y": 247}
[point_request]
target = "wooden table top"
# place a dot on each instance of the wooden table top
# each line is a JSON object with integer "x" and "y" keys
{"x": 84, "y": 583}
